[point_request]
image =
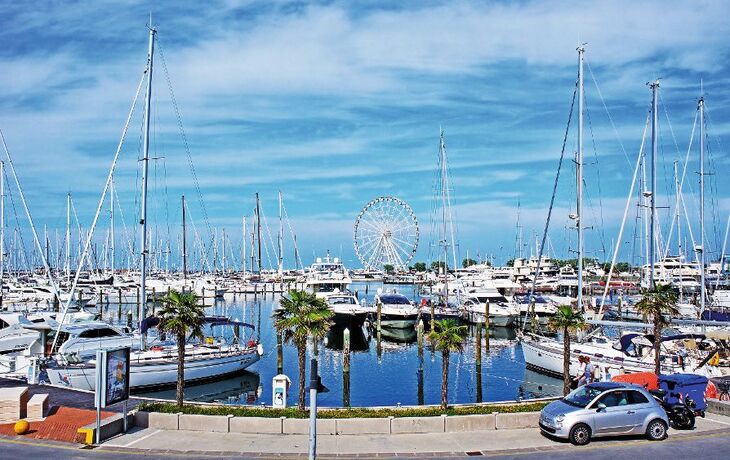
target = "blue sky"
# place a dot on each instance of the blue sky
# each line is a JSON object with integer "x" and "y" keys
{"x": 336, "y": 103}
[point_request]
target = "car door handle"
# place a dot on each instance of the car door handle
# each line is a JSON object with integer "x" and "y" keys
{"x": 631, "y": 412}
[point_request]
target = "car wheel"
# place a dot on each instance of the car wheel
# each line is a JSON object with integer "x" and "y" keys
{"x": 580, "y": 434}
{"x": 657, "y": 430}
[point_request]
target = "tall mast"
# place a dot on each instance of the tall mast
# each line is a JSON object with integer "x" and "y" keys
{"x": 652, "y": 215}
{"x": 68, "y": 237}
{"x": 679, "y": 227}
{"x": 444, "y": 241}
{"x": 258, "y": 231}
{"x": 2, "y": 227}
{"x": 112, "y": 249}
{"x": 281, "y": 238}
{"x": 702, "y": 204}
{"x": 579, "y": 178}
{"x": 184, "y": 243}
{"x": 223, "y": 248}
{"x": 145, "y": 166}
{"x": 243, "y": 248}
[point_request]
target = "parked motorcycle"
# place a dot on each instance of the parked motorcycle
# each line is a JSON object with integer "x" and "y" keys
{"x": 681, "y": 413}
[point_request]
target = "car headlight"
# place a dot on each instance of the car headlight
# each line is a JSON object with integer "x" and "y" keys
{"x": 559, "y": 420}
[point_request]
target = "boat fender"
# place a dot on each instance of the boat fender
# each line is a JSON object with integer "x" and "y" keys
{"x": 260, "y": 350}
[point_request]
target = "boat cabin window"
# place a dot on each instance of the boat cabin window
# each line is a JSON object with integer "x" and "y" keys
{"x": 394, "y": 300}
{"x": 98, "y": 333}
{"x": 341, "y": 300}
{"x": 62, "y": 338}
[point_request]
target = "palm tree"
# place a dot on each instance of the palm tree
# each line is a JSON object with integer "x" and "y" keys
{"x": 656, "y": 303}
{"x": 566, "y": 320}
{"x": 302, "y": 315}
{"x": 181, "y": 316}
{"x": 447, "y": 336}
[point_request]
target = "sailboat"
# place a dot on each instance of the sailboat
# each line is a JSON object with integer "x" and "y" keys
{"x": 157, "y": 366}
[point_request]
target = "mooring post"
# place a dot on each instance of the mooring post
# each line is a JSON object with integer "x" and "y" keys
{"x": 346, "y": 368}
{"x": 478, "y": 350}
{"x": 378, "y": 347}
{"x": 279, "y": 354}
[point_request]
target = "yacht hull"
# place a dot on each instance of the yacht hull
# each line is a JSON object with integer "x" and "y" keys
{"x": 160, "y": 372}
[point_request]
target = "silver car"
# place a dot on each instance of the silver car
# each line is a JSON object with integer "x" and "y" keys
{"x": 604, "y": 409}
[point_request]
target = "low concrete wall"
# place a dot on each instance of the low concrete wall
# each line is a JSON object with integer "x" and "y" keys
{"x": 363, "y": 425}
{"x": 342, "y": 426}
{"x": 716, "y": 406}
{"x": 110, "y": 427}
{"x": 517, "y": 420}
{"x": 400, "y": 425}
{"x": 256, "y": 425}
{"x": 461, "y": 423}
{"x": 162, "y": 421}
{"x": 210, "y": 423}
{"x": 301, "y": 426}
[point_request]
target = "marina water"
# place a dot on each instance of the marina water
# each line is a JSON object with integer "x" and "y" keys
{"x": 378, "y": 377}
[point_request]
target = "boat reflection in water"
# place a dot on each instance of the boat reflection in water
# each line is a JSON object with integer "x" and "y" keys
{"x": 244, "y": 388}
{"x": 536, "y": 385}
{"x": 398, "y": 335}
{"x": 358, "y": 341}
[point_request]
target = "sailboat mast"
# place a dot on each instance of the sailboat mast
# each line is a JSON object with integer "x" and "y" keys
{"x": 442, "y": 161}
{"x": 2, "y": 227}
{"x": 68, "y": 237}
{"x": 243, "y": 248}
{"x": 112, "y": 248}
{"x": 702, "y": 204}
{"x": 579, "y": 179}
{"x": 679, "y": 228}
{"x": 258, "y": 231}
{"x": 652, "y": 215}
{"x": 223, "y": 248}
{"x": 281, "y": 239}
{"x": 184, "y": 243}
{"x": 145, "y": 166}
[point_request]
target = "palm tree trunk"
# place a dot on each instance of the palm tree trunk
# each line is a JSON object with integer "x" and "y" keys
{"x": 180, "y": 393}
{"x": 566, "y": 361}
{"x": 657, "y": 347}
{"x": 302, "y": 355}
{"x": 444, "y": 379}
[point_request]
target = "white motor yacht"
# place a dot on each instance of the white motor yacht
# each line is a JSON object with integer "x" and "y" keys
{"x": 347, "y": 309}
{"x": 328, "y": 276}
{"x": 396, "y": 311}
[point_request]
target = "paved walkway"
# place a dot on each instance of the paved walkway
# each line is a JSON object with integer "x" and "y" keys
{"x": 60, "y": 424}
{"x": 436, "y": 444}
{"x": 58, "y": 396}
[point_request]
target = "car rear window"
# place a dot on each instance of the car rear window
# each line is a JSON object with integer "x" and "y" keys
{"x": 637, "y": 398}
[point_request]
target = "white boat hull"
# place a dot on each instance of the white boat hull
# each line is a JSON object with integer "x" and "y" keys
{"x": 160, "y": 372}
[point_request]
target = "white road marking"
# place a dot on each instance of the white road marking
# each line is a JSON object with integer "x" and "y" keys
{"x": 141, "y": 439}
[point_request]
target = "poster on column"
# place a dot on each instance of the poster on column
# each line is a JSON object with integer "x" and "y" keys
{"x": 116, "y": 376}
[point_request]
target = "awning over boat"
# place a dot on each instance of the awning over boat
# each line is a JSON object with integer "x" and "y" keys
{"x": 154, "y": 321}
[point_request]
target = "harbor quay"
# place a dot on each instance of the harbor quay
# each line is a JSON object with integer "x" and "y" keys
{"x": 315, "y": 228}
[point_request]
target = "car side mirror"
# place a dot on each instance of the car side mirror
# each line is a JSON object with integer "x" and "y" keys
{"x": 600, "y": 407}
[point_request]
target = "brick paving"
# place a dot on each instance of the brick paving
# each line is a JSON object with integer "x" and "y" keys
{"x": 61, "y": 424}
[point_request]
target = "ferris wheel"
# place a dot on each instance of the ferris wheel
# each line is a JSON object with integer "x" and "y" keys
{"x": 386, "y": 233}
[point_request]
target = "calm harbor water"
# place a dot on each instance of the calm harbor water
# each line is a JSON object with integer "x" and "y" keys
{"x": 379, "y": 376}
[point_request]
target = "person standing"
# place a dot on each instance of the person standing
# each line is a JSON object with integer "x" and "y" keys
{"x": 588, "y": 372}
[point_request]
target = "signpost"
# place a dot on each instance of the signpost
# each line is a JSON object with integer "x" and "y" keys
{"x": 112, "y": 382}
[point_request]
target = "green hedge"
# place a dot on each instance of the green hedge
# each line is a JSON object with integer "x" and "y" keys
{"x": 293, "y": 412}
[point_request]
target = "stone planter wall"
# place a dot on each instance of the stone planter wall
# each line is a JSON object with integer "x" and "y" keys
{"x": 344, "y": 426}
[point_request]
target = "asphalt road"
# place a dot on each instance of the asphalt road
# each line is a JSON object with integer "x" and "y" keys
{"x": 708, "y": 446}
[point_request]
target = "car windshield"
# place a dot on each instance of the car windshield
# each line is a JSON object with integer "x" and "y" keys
{"x": 582, "y": 396}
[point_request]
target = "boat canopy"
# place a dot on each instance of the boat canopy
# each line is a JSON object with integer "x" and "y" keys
{"x": 154, "y": 321}
{"x": 394, "y": 299}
